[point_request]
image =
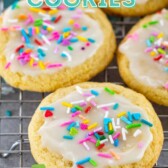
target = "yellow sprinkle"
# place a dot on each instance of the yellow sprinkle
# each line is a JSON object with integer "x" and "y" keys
{"x": 49, "y": 29}
{"x": 31, "y": 62}
{"x": 83, "y": 39}
{"x": 86, "y": 121}
{"x": 92, "y": 126}
{"x": 66, "y": 34}
{"x": 110, "y": 126}
{"x": 82, "y": 117}
{"x": 41, "y": 65}
{"x": 37, "y": 30}
{"x": 52, "y": 12}
{"x": 37, "y": 10}
{"x": 152, "y": 53}
{"x": 160, "y": 35}
{"x": 71, "y": 21}
{"x": 121, "y": 114}
{"x": 67, "y": 104}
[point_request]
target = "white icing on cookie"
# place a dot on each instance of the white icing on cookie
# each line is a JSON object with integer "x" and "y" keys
{"x": 132, "y": 142}
{"x": 141, "y": 63}
{"x": 82, "y": 50}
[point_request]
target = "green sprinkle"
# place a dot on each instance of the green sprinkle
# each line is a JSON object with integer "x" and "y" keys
{"x": 97, "y": 143}
{"x": 111, "y": 132}
{"x": 73, "y": 131}
{"x": 38, "y": 166}
{"x": 92, "y": 162}
{"x": 38, "y": 22}
{"x": 152, "y": 39}
{"x": 102, "y": 137}
{"x": 70, "y": 48}
{"x": 109, "y": 90}
{"x": 133, "y": 125}
{"x": 145, "y": 26}
{"x": 78, "y": 107}
{"x": 153, "y": 22}
{"x": 161, "y": 51}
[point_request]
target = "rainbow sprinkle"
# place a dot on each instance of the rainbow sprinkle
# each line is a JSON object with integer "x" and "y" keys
{"x": 97, "y": 136}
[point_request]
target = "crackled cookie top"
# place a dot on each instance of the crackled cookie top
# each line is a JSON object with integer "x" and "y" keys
{"x": 44, "y": 40}
{"x": 147, "y": 51}
{"x": 96, "y": 128}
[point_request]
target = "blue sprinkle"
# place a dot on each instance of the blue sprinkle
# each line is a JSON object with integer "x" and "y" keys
{"x": 124, "y": 119}
{"x": 67, "y": 29}
{"x": 44, "y": 27}
{"x": 24, "y": 34}
{"x": 8, "y": 113}
{"x": 94, "y": 92}
{"x": 77, "y": 124}
{"x": 71, "y": 9}
{"x": 30, "y": 30}
{"x": 148, "y": 43}
{"x": 71, "y": 125}
{"x": 147, "y": 123}
{"x": 14, "y": 5}
{"x": 83, "y": 161}
{"x": 29, "y": 46}
{"x": 63, "y": 55}
{"x": 106, "y": 121}
{"x": 166, "y": 69}
{"x": 73, "y": 40}
{"x": 129, "y": 116}
{"x": 53, "y": 19}
{"x": 84, "y": 28}
{"x": 68, "y": 137}
{"x": 73, "y": 110}
{"x": 97, "y": 136}
{"x": 115, "y": 106}
{"x": 116, "y": 142}
{"x": 47, "y": 108}
{"x": 136, "y": 116}
{"x": 91, "y": 40}
{"x": 21, "y": 51}
{"x": 60, "y": 39}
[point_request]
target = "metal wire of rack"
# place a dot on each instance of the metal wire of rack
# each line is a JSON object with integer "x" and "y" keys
{"x": 14, "y": 143}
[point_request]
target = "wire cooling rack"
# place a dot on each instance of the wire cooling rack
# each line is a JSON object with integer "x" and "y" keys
{"x": 14, "y": 143}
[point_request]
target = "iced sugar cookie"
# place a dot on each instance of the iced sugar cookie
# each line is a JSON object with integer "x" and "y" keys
{"x": 143, "y": 60}
{"x": 95, "y": 125}
{"x": 142, "y": 7}
{"x": 44, "y": 49}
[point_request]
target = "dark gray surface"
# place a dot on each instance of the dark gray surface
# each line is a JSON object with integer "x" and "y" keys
{"x": 23, "y": 105}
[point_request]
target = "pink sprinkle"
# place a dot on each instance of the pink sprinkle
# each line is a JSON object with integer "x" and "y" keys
{"x": 116, "y": 135}
{"x": 4, "y": 29}
{"x": 105, "y": 108}
{"x": 87, "y": 94}
{"x": 93, "y": 103}
{"x": 140, "y": 145}
{"x": 104, "y": 155}
{"x": 134, "y": 36}
{"x": 62, "y": 7}
{"x": 83, "y": 104}
{"x": 17, "y": 27}
{"x": 54, "y": 66}
{"x": 83, "y": 126}
{"x": 77, "y": 16}
{"x": 56, "y": 50}
{"x": 79, "y": 11}
{"x": 148, "y": 49}
{"x": 84, "y": 140}
{"x": 166, "y": 86}
{"x": 92, "y": 140}
{"x": 77, "y": 26}
{"x": 87, "y": 44}
{"x": 35, "y": 64}
{"x": 67, "y": 123}
{"x": 94, "y": 131}
{"x": 7, "y": 65}
{"x": 155, "y": 34}
{"x": 76, "y": 113}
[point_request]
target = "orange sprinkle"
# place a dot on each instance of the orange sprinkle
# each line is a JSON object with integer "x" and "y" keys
{"x": 22, "y": 17}
{"x": 82, "y": 117}
{"x": 114, "y": 155}
{"x": 28, "y": 51}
